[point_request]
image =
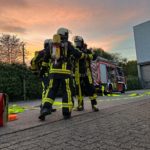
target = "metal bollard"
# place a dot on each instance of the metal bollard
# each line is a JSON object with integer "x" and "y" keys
{"x": 3, "y": 109}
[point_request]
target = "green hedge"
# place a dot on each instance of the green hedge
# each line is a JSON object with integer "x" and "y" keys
{"x": 11, "y": 82}
{"x": 133, "y": 83}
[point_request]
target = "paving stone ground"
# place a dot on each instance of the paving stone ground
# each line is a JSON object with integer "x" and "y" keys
{"x": 29, "y": 118}
{"x": 124, "y": 127}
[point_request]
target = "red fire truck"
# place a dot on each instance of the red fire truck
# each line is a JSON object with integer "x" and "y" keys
{"x": 109, "y": 75}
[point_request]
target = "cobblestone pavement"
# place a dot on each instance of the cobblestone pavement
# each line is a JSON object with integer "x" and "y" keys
{"x": 29, "y": 118}
{"x": 125, "y": 127}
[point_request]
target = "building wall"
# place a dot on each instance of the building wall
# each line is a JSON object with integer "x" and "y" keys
{"x": 142, "y": 41}
{"x": 145, "y": 72}
{"x": 142, "y": 44}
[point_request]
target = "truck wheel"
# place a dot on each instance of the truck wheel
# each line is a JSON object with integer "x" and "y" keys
{"x": 110, "y": 88}
{"x": 123, "y": 89}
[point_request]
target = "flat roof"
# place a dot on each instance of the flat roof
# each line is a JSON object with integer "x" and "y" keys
{"x": 141, "y": 24}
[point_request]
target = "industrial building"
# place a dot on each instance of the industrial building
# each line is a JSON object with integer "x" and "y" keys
{"x": 142, "y": 44}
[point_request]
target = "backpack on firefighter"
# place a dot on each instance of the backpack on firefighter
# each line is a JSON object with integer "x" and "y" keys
{"x": 59, "y": 50}
{"x": 35, "y": 65}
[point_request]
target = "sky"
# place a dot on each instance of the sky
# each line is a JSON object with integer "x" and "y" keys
{"x": 106, "y": 24}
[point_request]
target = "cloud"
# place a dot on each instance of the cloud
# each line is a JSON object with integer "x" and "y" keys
{"x": 11, "y": 25}
{"x": 108, "y": 43}
{"x": 12, "y": 3}
{"x": 102, "y": 23}
{"x": 81, "y": 16}
{"x": 13, "y": 29}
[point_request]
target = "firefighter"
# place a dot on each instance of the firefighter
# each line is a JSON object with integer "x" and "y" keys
{"x": 60, "y": 73}
{"x": 83, "y": 76}
{"x": 36, "y": 64}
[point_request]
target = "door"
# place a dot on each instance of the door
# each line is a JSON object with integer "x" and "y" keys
{"x": 103, "y": 73}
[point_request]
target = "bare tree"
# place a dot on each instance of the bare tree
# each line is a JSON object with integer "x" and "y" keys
{"x": 10, "y": 48}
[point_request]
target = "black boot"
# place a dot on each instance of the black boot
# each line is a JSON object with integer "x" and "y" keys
{"x": 67, "y": 115}
{"x": 45, "y": 110}
{"x": 54, "y": 109}
{"x": 94, "y": 103}
{"x": 80, "y": 107}
{"x": 94, "y": 108}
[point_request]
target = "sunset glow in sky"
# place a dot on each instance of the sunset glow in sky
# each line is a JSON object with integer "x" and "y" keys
{"x": 102, "y": 23}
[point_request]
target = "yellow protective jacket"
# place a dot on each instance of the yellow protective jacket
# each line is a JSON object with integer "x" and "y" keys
{"x": 83, "y": 66}
{"x": 64, "y": 64}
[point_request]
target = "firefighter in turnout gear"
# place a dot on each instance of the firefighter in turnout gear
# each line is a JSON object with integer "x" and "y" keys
{"x": 83, "y": 76}
{"x": 60, "y": 73}
{"x": 36, "y": 65}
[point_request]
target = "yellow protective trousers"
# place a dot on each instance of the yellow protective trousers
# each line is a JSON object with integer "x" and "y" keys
{"x": 84, "y": 87}
{"x": 45, "y": 83}
{"x": 66, "y": 85}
